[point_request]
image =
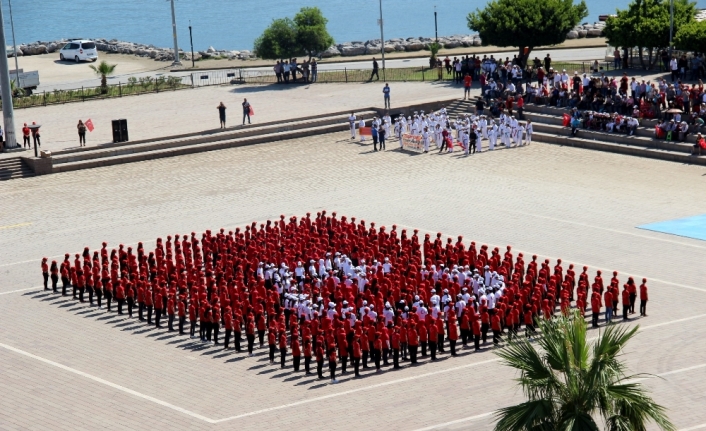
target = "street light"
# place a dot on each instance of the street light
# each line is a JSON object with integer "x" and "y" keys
{"x": 14, "y": 47}
{"x": 6, "y": 90}
{"x": 177, "y": 62}
{"x": 382, "y": 38}
{"x": 436, "y": 28}
{"x": 191, "y": 39}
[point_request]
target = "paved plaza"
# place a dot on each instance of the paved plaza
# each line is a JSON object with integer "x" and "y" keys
{"x": 69, "y": 366}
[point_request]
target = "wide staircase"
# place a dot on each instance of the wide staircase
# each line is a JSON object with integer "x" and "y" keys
{"x": 127, "y": 152}
{"x": 547, "y": 124}
{"x": 14, "y": 167}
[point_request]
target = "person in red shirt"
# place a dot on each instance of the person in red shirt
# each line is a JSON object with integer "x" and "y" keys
{"x": 320, "y": 359}
{"x": 626, "y": 301}
{"x": 45, "y": 273}
{"x": 413, "y": 341}
{"x": 171, "y": 312}
{"x": 25, "y": 136}
{"x": 497, "y": 329}
{"x": 632, "y": 288}
{"x": 120, "y": 297}
{"x": 395, "y": 344}
{"x": 520, "y": 107}
{"x": 228, "y": 320}
{"x": 192, "y": 320}
{"x": 282, "y": 348}
{"x": 250, "y": 334}
{"x": 643, "y": 298}
{"x": 332, "y": 364}
{"x": 158, "y": 308}
{"x": 307, "y": 355}
{"x": 433, "y": 335}
{"x": 595, "y": 309}
{"x": 272, "y": 342}
{"x": 343, "y": 353}
{"x": 467, "y": 81}
{"x": 608, "y": 299}
{"x": 453, "y": 335}
{"x": 357, "y": 354}
{"x": 475, "y": 327}
{"x": 296, "y": 354}
{"x": 181, "y": 310}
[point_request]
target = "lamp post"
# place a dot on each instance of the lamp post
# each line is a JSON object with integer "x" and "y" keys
{"x": 436, "y": 27}
{"x": 6, "y": 90}
{"x": 191, "y": 40}
{"x": 177, "y": 62}
{"x": 671, "y": 25}
{"x": 14, "y": 47}
{"x": 382, "y": 38}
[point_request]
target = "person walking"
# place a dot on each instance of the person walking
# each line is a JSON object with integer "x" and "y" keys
{"x": 222, "y": 115}
{"x": 25, "y": 136}
{"x": 35, "y": 134}
{"x": 314, "y": 70}
{"x": 386, "y": 95}
{"x": 81, "y": 133}
{"x": 246, "y": 111}
{"x": 376, "y": 69}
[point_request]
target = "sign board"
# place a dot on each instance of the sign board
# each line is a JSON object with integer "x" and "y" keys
{"x": 413, "y": 143}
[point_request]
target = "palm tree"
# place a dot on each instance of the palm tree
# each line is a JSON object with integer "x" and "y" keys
{"x": 103, "y": 70}
{"x": 568, "y": 381}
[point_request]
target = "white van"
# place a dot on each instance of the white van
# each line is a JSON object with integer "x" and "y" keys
{"x": 79, "y": 50}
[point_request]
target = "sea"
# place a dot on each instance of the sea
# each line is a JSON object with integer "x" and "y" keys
{"x": 234, "y": 24}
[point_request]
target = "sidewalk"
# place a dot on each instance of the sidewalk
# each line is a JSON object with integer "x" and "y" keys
{"x": 186, "y": 111}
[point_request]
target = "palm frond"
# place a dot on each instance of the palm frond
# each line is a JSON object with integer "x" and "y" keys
{"x": 529, "y": 416}
{"x": 632, "y": 402}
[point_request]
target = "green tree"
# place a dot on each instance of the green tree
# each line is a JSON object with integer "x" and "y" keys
{"x": 104, "y": 70}
{"x": 645, "y": 25}
{"x": 569, "y": 381}
{"x": 312, "y": 35}
{"x": 278, "y": 41}
{"x": 526, "y": 23}
{"x": 691, "y": 37}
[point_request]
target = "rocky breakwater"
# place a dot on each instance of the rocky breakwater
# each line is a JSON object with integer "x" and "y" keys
{"x": 586, "y": 30}
{"x": 411, "y": 44}
{"x": 130, "y": 48}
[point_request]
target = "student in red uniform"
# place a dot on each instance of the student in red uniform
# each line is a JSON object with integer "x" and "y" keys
{"x": 413, "y": 341}
{"x": 475, "y": 327}
{"x": 453, "y": 335}
{"x": 250, "y": 334}
{"x": 158, "y": 308}
{"x": 307, "y": 355}
{"x": 357, "y": 354}
{"x": 216, "y": 324}
{"x": 395, "y": 342}
{"x": 181, "y": 309}
{"x": 608, "y": 299}
{"x": 228, "y": 320}
{"x": 377, "y": 351}
{"x": 332, "y": 364}
{"x": 54, "y": 273}
{"x": 120, "y": 297}
{"x": 320, "y": 360}
{"x": 497, "y": 329}
{"x": 632, "y": 288}
{"x": 272, "y": 342}
{"x": 282, "y": 349}
{"x": 343, "y": 353}
{"x": 171, "y": 313}
{"x": 626, "y": 301}
{"x": 296, "y": 354}
{"x": 45, "y": 273}
{"x": 192, "y": 320}
{"x": 643, "y": 298}
{"x": 433, "y": 335}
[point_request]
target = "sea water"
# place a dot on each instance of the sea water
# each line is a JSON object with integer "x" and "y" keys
{"x": 234, "y": 24}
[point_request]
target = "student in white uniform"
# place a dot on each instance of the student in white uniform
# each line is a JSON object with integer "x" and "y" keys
{"x": 351, "y": 121}
{"x": 360, "y": 128}
{"x": 493, "y": 136}
{"x": 479, "y": 144}
{"x": 528, "y": 130}
{"x": 425, "y": 139}
{"x": 483, "y": 122}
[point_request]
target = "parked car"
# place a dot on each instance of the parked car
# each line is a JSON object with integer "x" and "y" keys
{"x": 79, "y": 50}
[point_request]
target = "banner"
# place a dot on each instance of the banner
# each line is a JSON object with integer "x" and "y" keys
{"x": 413, "y": 143}
{"x": 365, "y": 131}
{"x": 89, "y": 125}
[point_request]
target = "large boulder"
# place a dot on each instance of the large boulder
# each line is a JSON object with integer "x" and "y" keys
{"x": 399, "y": 47}
{"x": 452, "y": 44}
{"x": 348, "y": 51}
{"x": 211, "y": 50}
{"x": 372, "y": 49}
{"x": 582, "y": 33}
{"x": 477, "y": 42}
{"x": 331, "y": 52}
{"x": 389, "y": 48}
{"x": 594, "y": 33}
{"x": 415, "y": 45}
{"x": 467, "y": 41}
{"x": 52, "y": 47}
{"x": 572, "y": 34}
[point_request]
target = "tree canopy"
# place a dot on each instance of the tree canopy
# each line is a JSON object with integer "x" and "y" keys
{"x": 691, "y": 37}
{"x": 526, "y": 23}
{"x": 569, "y": 381}
{"x": 285, "y": 38}
{"x": 645, "y": 24}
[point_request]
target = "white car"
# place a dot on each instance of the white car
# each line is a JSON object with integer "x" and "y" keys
{"x": 79, "y": 50}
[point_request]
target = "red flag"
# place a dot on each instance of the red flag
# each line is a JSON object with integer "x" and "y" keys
{"x": 89, "y": 125}
{"x": 252, "y": 111}
{"x": 566, "y": 120}
{"x": 365, "y": 131}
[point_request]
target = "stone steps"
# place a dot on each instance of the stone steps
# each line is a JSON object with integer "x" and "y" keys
{"x": 13, "y": 168}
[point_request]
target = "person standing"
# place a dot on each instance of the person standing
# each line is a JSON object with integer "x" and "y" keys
{"x": 81, "y": 133}
{"x": 351, "y": 122}
{"x": 643, "y": 298}
{"x": 222, "y": 115}
{"x": 25, "y": 136}
{"x": 35, "y": 134}
{"x": 381, "y": 138}
{"x": 314, "y": 70}
{"x": 386, "y": 94}
{"x": 375, "y": 70}
{"x": 332, "y": 364}
{"x": 278, "y": 72}
{"x": 467, "y": 81}
{"x": 246, "y": 111}
{"x": 374, "y": 131}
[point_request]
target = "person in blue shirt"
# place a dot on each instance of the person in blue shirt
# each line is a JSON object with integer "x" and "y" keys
{"x": 386, "y": 93}
{"x": 375, "y": 137}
